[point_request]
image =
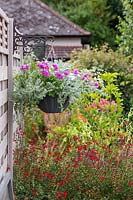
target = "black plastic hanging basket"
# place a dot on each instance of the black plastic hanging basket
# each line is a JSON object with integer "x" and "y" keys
{"x": 50, "y": 105}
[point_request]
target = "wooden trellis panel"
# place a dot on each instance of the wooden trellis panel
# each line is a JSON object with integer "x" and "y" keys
{"x": 7, "y": 125}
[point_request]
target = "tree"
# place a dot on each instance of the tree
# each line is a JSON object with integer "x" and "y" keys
{"x": 125, "y": 39}
{"x": 92, "y": 15}
{"x": 115, "y": 7}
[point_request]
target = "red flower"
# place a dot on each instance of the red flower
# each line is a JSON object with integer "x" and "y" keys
{"x": 61, "y": 194}
{"x": 48, "y": 175}
{"x": 93, "y": 155}
{"x": 26, "y": 175}
{"x": 58, "y": 196}
{"x": 61, "y": 183}
{"x": 34, "y": 192}
{"x": 75, "y": 138}
{"x": 119, "y": 189}
{"x": 131, "y": 183}
{"x": 65, "y": 194}
{"x": 101, "y": 179}
{"x": 8, "y": 168}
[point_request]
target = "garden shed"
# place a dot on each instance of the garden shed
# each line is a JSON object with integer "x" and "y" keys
{"x": 35, "y": 18}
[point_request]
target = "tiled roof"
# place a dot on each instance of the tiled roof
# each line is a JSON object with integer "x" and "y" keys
{"x": 62, "y": 52}
{"x": 36, "y": 18}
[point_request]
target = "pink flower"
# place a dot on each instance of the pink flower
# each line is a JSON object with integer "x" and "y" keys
{"x": 94, "y": 105}
{"x": 113, "y": 103}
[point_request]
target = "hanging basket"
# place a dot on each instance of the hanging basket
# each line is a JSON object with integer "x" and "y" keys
{"x": 50, "y": 105}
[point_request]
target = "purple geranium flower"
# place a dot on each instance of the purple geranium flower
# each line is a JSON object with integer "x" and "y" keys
{"x": 40, "y": 65}
{"x": 25, "y": 67}
{"x": 66, "y": 73}
{"x": 43, "y": 65}
{"x": 46, "y": 73}
{"x": 96, "y": 84}
{"x": 55, "y": 66}
{"x": 46, "y": 65}
{"x": 59, "y": 75}
{"x": 75, "y": 71}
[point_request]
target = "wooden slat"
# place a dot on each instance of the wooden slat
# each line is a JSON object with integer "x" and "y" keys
{"x": 3, "y": 97}
{"x": 15, "y": 126}
{"x": 3, "y": 121}
{"x": 3, "y": 73}
{"x": 5, "y": 60}
{"x": 3, "y": 133}
{"x": 5, "y": 43}
{"x": 3, "y": 146}
{"x": 4, "y": 50}
{"x": 6, "y": 185}
{"x": 4, "y": 169}
{"x": 5, "y": 28}
{"x": 3, "y": 15}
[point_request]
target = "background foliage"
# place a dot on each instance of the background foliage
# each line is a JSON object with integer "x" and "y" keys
{"x": 110, "y": 61}
{"x": 100, "y": 17}
{"x": 125, "y": 39}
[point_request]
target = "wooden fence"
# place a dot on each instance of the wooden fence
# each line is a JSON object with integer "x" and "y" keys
{"x": 8, "y": 126}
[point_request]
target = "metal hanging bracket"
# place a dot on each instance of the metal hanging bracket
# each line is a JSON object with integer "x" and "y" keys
{"x": 31, "y": 43}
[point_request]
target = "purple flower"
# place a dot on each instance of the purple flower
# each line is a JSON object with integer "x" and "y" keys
{"x": 55, "y": 66}
{"x": 96, "y": 84}
{"x": 43, "y": 65}
{"x": 66, "y": 73}
{"x": 75, "y": 71}
{"x": 40, "y": 65}
{"x": 46, "y": 65}
{"x": 59, "y": 75}
{"x": 25, "y": 67}
{"x": 84, "y": 76}
{"x": 46, "y": 73}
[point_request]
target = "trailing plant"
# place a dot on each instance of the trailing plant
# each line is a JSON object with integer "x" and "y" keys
{"x": 51, "y": 79}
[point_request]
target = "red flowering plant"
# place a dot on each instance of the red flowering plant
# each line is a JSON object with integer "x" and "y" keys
{"x": 88, "y": 158}
{"x": 61, "y": 166}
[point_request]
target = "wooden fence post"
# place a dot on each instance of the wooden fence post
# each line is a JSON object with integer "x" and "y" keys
{"x": 10, "y": 106}
{"x": 6, "y": 166}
